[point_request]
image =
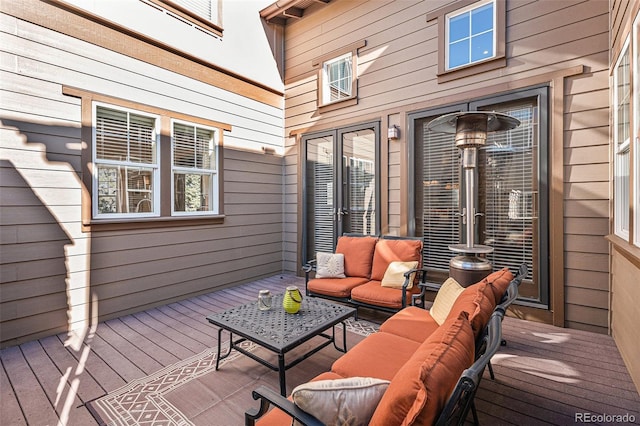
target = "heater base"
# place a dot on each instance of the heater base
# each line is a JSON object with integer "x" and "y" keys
{"x": 468, "y": 270}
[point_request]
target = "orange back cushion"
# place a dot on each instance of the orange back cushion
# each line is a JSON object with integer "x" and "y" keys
{"x": 499, "y": 281}
{"x": 388, "y": 251}
{"x": 418, "y": 392}
{"x": 358, "y": 255}
{"x": 478, "y": 301}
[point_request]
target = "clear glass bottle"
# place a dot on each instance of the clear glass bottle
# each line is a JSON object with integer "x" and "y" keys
{"x": 264, "y": 300}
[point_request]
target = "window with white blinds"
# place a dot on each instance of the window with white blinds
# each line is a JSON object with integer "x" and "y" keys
{"x": 194, "y": 169}
{"x": 126, "y": 162}
{"x": 440, "y": 193}
{"x": 507, "y": 192}
{"x": 207, "y": 9}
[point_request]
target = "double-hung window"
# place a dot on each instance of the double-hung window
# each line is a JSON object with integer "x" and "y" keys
{"x": 147, "y": 165}
{"x": 621, "y": 137}
{"x": 194, "y": 161}
{"x": 126, "y": 160}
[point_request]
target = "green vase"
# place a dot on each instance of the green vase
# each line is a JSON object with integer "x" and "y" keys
{"x": 292, "y": 299}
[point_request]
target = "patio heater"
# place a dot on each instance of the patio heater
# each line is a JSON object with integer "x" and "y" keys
{"x": 471, "y": 130}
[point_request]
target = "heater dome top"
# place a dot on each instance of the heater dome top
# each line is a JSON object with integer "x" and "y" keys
{"x": 495, "y": 121}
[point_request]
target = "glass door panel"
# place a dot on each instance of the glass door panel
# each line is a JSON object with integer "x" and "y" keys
{"x": 341, "y": 186}
{"x": 320, "y": 197}
{"x": 358, "y": 209}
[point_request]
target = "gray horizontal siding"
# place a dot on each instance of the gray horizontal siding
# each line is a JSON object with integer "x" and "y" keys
{"x": 52, "y": 273}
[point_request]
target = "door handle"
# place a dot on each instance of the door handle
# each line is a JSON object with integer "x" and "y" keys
{"x": 340, "y": 213}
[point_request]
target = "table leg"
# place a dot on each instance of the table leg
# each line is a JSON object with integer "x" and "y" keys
{"x": 219, "y": 356}
{"x": 281, "y": 372}
{"x": 344, "y": 338}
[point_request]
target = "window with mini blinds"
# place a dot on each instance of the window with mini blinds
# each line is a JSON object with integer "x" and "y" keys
{"x": 128, "y": 170}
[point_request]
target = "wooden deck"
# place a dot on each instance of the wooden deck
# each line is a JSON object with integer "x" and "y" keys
{"x": 545, "y": 375}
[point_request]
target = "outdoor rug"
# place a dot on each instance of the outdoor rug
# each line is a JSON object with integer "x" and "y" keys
{"x": 192, "y": 392}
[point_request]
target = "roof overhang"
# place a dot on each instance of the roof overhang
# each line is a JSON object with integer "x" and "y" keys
{"x": 280, "y": 11}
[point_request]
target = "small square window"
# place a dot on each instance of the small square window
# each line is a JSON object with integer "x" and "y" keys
{"x": 337, "y": 79}
{"x": 470, "y": 35}
{"x": 472, "y": 38}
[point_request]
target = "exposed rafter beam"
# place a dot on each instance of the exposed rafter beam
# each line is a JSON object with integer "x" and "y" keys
{"x": 281, "y": 10}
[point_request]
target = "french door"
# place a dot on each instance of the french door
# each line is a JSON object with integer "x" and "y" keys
{"x": 512, "y": 194}
{"x": 341, "y": 186}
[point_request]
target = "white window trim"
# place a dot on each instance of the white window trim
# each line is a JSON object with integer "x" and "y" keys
{"x": 451, "y": 15}
{"x": 326, "y": 90}
{"x": 635, "y": 130}
{"x": 213, "y": 192}
{"x": 619, "y": 150}
{"x": 155, "y": 193}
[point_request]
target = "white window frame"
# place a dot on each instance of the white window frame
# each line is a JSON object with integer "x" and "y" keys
{"x": 621, "y": 157}
{"x": 326, "y": 82}
{"x": 635, "y": 130}
{"x": 494, "y": 29}
{"x": 155, "y": 185}
{"x": 213, "y": 173}
{"x": 206, "y": 9}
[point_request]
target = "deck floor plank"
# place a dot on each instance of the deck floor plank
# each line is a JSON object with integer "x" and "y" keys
{"x": 114, "y": 357}
{"x": 147, "y": 318}
{"x": 140, "y": 359}
{"x": 88, "y": 387}
{"x": 133, "y": 337}
{"x": 156, "y": 337}
{"x": 28, "y": 390}
{"x": 61, "y": 388}
{"x": 9, "y": 405}
{"x": 545, "y": 374}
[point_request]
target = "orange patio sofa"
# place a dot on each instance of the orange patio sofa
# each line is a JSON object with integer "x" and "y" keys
{"x": 378, "y": 272}
{"x": 414, "y": 371}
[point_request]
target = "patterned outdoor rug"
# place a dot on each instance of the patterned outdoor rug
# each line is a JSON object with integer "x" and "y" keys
{"x": 147, "y": 401}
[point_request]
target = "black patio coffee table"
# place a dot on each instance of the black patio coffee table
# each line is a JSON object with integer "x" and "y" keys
{"x": 280, "y": 332}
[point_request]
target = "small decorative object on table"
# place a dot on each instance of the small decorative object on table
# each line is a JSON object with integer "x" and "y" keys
{"x": 264, "y": 300}
{"x": 292, "y": 299}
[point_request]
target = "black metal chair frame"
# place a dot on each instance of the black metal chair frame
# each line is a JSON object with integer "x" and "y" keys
{"x": 460, "y": 401}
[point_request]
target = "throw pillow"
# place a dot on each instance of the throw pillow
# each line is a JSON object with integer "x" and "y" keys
{"x": 394, "y": 275}
{"x": 445, "y": 298}
{"x": 349, "y": 401}
{"x": 329, "y": 265}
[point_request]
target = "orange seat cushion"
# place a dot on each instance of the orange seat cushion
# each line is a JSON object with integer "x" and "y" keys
{"x": 335, "y": 287}
{"x": 417, "y": 394}
{"x": 380, "y": 355}
{"x": 387, "y": 251}
{"x": 412, "y": 323}
{"x": 277, "y": 417}
{"x": 499, "y": 282}
{"x": 358, "y": 255}
{"x": 374, "y": 294}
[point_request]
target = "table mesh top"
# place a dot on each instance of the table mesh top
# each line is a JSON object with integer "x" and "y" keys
{"x": 277, "y": 327}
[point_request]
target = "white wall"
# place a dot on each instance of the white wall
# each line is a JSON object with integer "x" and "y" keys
{"x": 243, "y": 48}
